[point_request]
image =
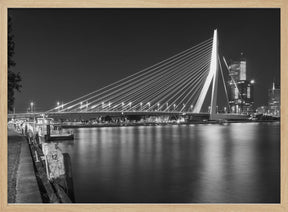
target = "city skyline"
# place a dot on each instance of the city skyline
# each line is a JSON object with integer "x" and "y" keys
{"x": 62, "y": 43}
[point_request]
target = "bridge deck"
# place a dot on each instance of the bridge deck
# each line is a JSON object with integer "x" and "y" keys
{"x": 122, "y": 113}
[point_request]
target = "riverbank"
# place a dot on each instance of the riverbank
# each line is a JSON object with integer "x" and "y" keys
{"x": 14, "y": 149}
{"x": 30, "y": 181}
{"x": 22, "y": 182}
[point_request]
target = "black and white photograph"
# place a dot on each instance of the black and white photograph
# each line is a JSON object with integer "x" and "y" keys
{"x": 143, "y": 105}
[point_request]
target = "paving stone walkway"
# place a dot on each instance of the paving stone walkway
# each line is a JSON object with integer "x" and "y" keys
{"x": 27, "y": 190}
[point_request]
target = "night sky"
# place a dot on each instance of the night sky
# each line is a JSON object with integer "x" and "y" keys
{"x": 63, "y": 54}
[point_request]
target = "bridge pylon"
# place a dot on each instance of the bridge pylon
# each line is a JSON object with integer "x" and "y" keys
{"x": 212, "y": 77}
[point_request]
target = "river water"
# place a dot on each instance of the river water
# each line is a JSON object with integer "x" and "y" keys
{"x": 234, "y": 163}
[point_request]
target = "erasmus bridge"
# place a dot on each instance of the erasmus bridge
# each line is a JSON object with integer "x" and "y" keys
{"x": 177, "y": 85}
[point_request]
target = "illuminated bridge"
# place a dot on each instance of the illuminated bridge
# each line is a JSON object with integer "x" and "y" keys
{"x": 176, "y": 86}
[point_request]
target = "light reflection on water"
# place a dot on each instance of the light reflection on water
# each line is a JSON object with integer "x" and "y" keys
{"x": 236, "y": 163}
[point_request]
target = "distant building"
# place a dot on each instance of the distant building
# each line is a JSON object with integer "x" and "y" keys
{"x": 273, "y": 107}
{"x": 274, "y": 101}
{"x": 238, "y": 69}
{"x": 262, "y": 110}
{"x": 241, "y": 91}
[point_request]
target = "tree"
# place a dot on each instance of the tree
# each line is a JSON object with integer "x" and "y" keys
{"x": 14, "y": 79}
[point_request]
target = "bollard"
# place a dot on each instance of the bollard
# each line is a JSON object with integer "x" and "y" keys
{"x": 48, "y": 132}
{"x": 36, "y": 156}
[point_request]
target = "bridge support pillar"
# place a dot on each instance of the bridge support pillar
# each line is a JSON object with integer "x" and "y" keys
{"x": 214, "y": 70}
{"x": 212, "y": 77}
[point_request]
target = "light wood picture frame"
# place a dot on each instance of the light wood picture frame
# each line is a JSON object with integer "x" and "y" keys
{"x": 5, "y": 4}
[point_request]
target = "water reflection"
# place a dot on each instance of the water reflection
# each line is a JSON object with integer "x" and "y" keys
{"x": 237, "y": 163}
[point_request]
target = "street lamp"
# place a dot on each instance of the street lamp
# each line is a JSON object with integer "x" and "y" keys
{"x": 174, "y": 107}
{"x": 31, "y": 107}
{"x": 158, "y": 105}
{"x": 58, "y": 103}
{"x": 123, "y": 106}
{"x": 148, "y": 105}
{"x": 141, "y": 106}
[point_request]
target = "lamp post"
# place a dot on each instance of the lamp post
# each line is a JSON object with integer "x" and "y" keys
{"x": 158, "y": 105}
{"x": 123, "y": 104}
{"x": 148, "y": 105}
{"x": 31, "y": 107}
{"x": 141, "y": 106}
{"x": 58, "y": 104}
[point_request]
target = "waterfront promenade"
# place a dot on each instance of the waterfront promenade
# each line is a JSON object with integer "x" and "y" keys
{"x": 22, "y": 183}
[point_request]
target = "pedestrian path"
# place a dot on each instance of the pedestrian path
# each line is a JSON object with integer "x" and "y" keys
{"x": 27, "y": 190}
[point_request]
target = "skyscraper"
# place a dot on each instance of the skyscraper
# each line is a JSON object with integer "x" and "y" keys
{"x": 241, "y": 92}
{"x": 274, "y": 100}
{"x": 238, "y": 69}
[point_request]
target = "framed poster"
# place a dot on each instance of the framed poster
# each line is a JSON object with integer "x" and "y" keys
{"x": 170, "y": 106}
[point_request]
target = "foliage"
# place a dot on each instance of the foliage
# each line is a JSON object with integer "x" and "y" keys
{"x": 14, "y": 79}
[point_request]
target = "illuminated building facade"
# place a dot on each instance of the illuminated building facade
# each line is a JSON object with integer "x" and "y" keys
{"x": 241, "y": 90}
{"x": 274, "y": 101}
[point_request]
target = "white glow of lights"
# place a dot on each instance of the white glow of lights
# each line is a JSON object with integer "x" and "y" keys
{"x": 93, "y": 106}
